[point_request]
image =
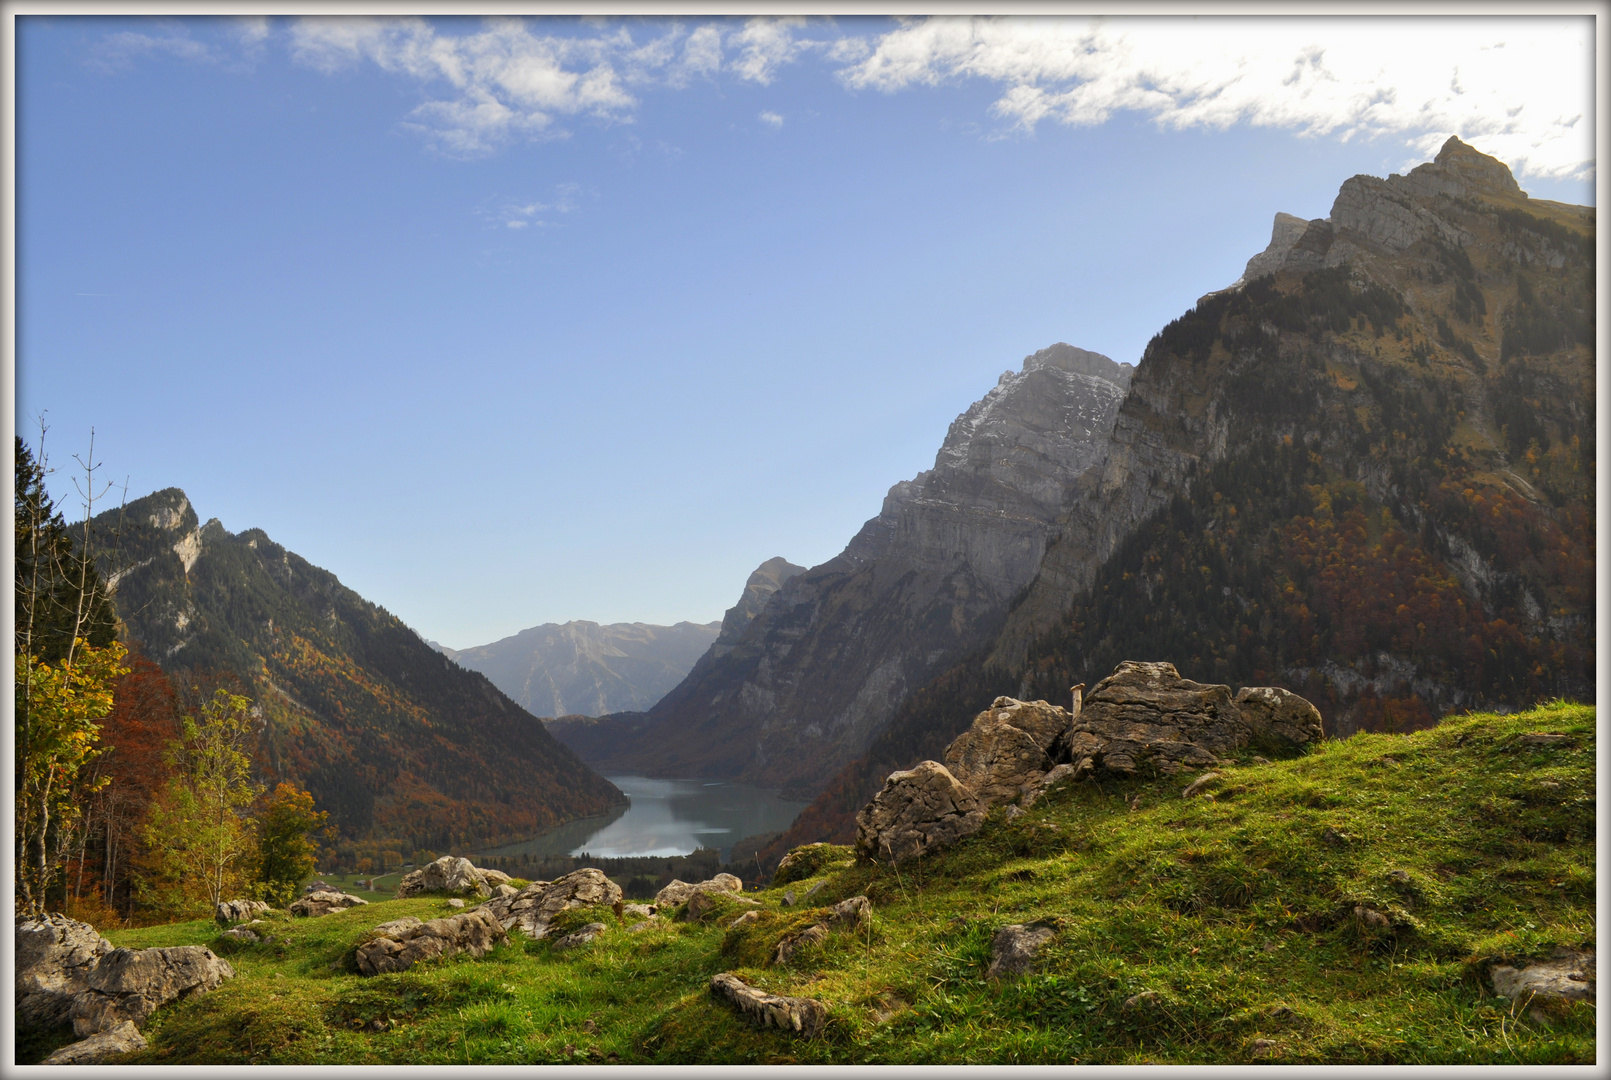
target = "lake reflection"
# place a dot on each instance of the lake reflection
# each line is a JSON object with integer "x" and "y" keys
{"x": 668, "y": 817}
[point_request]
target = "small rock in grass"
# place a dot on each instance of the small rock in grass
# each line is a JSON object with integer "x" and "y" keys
{"x": 789, "y": 946}
{"x": 1013, "y": 950}
{"x": 744, "y": 920}
{"x": 125, "y": 1038}
{"x": 1541, "y": 738}
{"x": 788, "y": 898}
{"x": 1144, "y": 1000}
{"x": 1263, "y": 1047}
{"x": 584, "y": 936}
{"x": 803, "y": 1016}
{"x": 1398, "y": 877}
{"x": 1568, "y": 975}
{"x": 652, "y": 920}
{"x": 1371, "y": 917}
{"x": 241, "y": 934}
{"x": 1335, "y": 838}
{"x": 455, "y": 902}
{"x": 642, "y": 911}
{"x": 1201, "y": 784}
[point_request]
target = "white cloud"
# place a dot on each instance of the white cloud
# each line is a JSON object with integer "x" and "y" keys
{"x": 772, "y": 118}
{"x": 1515, "y": 87}
{"x": 765, "y": 45}
{"x": 117, "y": 52}
{"x": 521, "y": 214}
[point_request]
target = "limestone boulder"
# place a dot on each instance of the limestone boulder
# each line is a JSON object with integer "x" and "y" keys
{"x": 704, "y": 901}
{"x": 795, "y": 1015}
{"x": 533, "y": 908}
{"x": 233, "y": 911}
{"x": 125, "y": 1038}
{"x": 324, "y": 902}
{"x": 131, "y": 984}
{"x": 55, "y": 956}
{"x": 921, "y": 809}
{"x": 679, "y": 892}
{"x": 1145, "y": 718}
{"x": 402, "y": 943}
{"x": 1000, "y": 755}
{"x": 447, "y": 874}
{"x": 789, "y": 946}
{"x": 1279, "y": 721}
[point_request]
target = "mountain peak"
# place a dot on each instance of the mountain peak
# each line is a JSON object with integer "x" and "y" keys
{"x": 1474, "y": 167}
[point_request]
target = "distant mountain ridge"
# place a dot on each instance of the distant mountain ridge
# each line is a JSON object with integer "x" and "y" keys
{"x": 585, "y": 668}
{"x": 399, "y": 743}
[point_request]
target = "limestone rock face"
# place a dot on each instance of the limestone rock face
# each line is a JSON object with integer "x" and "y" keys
{"x": 229, "y": 911}
{"x": 1004, "y": 753}
{"x": 800, "y": 1016}
{"x": 820, "y": 670}
{"x": 324, "y": 902}
{"x": 131, "y": 984}
{"x": 55, "y": 956}
{"x": 447, "y": 874}
{"x": 533, "y": 908}
{"x": 919, "y": 810}
{"x": 125, "y": 1038}
{"x": 1279, "y": 720}
{"x": 680, "y": 892}
{"x": 401, "y": 944}
{"x": 1145, "y": 716}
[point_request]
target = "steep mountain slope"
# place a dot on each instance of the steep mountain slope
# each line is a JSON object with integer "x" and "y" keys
{"x": 819, "y": 671}
{"x": 1364, "y": 473}
{"x": 402, "y": 745}
{"x": 611, "y": 740}
{"x": 583, "y": 667}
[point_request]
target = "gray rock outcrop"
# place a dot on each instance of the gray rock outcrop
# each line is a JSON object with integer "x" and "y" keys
{"x": 534, "y": 908}
{"x": 680, "y": 892}
{"x": 1144, "y": 718}
{"x": 55, "y": 957}
{"x": 125, "y": 1038}
{"x": 920, "y": 810}
{"x": 449, "y": 874}
{"x": 229, "y": 911}
{"x": 402, "y": 943}
{"x": 797, "y": 1015}
{"x": 66, "y": 972}
{"x": 324, "y": 902}
{"x": 131, "y": 984}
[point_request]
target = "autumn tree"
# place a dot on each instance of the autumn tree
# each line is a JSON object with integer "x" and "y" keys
{"x": 198, "y": 832}
{"x": 286, "y": 849}
{"x": 66, "y": 661}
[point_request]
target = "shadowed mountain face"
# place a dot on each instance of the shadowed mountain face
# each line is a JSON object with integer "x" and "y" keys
{"x": 819, "y": 670}
{"x": 399, "y": 743}
{"x": 584, "y": 668}
{"x": 1364, "y": 473}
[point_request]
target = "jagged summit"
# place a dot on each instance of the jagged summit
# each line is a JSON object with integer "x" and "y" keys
{"x": 1371, "y": 216}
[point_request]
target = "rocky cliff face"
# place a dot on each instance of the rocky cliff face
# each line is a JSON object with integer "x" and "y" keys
{"x": 821, "y": 668}
{"x": 400, "y": 744}
{"x": 590, "y": 669}
{"x": 1451, "y": 241}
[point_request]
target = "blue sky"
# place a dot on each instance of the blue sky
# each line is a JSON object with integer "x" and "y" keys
{"x": 524, "y": 321}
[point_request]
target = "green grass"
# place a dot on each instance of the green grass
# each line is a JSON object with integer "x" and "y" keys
{"x": 1236, "y": 915}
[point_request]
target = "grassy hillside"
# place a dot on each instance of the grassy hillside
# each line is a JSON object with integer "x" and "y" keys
{"x": 1236, "y": 913}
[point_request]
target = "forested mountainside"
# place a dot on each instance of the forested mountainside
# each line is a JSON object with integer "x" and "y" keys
{"x": 1364, "y": 473}
{"x": 394, "y": 739}
{"x": 584, "y": 667}
{"x": 818, "y": 671}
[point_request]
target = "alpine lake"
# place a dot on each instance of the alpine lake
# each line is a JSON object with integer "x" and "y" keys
{"x": 666, "y": 817}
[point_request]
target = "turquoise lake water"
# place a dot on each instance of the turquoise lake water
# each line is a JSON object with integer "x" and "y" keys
{"x": 667, "y": 817}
